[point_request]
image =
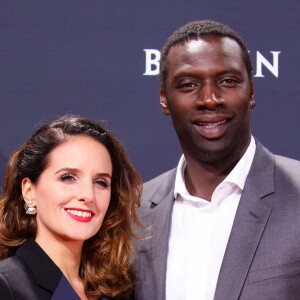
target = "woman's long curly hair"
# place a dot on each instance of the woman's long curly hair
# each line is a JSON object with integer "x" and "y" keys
{"x": 106, "y": 262}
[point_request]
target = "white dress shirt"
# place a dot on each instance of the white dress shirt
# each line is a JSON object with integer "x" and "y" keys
{"x": 199, "y": 233}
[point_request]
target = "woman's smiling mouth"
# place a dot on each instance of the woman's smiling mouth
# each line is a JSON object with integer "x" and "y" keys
{"x": 80, "y": 215}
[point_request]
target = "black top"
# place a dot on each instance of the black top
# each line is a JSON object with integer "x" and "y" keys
{"x": 32, "y": 275}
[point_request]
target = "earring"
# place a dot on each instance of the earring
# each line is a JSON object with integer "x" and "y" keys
{"x": 163, "y": 104}
{"x": 30, "y": 208}
{"x": 252, "y": 102}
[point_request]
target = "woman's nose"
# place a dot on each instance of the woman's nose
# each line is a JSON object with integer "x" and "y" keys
{"x": 87, "y": 193}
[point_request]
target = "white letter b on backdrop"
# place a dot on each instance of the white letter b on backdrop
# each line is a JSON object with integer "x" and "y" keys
{"x": 152, "y": 62}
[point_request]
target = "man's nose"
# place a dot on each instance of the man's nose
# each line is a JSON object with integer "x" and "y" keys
{"x": 209, "y": 97}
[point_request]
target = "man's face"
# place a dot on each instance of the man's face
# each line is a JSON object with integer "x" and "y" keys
{"x": 207, "y": 95}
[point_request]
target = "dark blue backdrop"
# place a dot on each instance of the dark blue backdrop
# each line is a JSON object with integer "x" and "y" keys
{"x": 88, "y": 58}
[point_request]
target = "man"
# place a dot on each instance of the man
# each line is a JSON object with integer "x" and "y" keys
{"x": 225, "y": 224}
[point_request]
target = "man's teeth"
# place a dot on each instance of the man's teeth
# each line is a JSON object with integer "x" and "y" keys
{"x": 79, "y": 213}
{"x": 212, "y": 125}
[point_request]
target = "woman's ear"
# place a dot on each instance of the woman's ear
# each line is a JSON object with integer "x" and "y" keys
{"x": 28, "y": 194}
{"x": 27, "y": 189}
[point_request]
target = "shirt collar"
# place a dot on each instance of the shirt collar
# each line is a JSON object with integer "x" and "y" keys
{"x": 237, "y": 176}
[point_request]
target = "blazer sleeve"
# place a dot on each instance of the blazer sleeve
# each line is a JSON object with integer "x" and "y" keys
{"x": 5, "y": 290}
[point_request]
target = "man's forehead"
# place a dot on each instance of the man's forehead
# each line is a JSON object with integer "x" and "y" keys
{"x": 206, "y": 44}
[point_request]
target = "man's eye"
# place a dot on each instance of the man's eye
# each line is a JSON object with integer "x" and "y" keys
{"x": 187, "y": 86}
{"x": 230, "y": 82}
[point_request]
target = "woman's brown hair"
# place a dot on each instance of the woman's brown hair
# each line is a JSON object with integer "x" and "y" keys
{"x": 106, "y": 262}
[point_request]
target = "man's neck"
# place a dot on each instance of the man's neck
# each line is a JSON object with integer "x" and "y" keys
{"x": 201, "y": 179}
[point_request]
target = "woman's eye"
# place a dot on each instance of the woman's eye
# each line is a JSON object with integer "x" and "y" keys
{"x": 68, "y": 177}
{"x": 102, "y": 183}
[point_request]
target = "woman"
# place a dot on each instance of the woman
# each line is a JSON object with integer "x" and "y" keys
{"x": 66, "y": 215}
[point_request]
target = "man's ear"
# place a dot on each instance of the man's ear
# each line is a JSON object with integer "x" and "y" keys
{"x": 252, "y": 89}
{"x": 163, "y": 101}
{"x": 251, "y": 96}
{"x": 28, "y": 190}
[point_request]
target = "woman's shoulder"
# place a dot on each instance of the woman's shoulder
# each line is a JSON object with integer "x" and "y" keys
{"x": 11, "y": 266}
{"x": 14, "y": 267}
{"x": 14, "y": 278}
{"x": 18, "y": 282}
{"x": 14, "y": 271}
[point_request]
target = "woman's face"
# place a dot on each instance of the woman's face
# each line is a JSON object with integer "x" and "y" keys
{"x": 72, "y": 194}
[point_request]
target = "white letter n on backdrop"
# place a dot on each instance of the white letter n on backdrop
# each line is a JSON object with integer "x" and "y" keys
{"x": 152, "y": 62}
{"x": 261, "y": 60}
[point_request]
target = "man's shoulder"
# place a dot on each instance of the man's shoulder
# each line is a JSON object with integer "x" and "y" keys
{"x": 157, "y": 188}
{"x": 283, "y": 170}
{"x": 287, "y": 163}
{"x": 287, "y": 170}
{"x": 264, "y": 159}
{"x": 163, "y": 180}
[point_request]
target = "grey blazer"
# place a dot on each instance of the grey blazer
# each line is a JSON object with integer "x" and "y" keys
{"x": 262, "y": 258}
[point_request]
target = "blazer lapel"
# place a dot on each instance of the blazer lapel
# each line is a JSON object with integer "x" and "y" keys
{"x": 157, "y": 219}
{"x": 250, "y": 221}
{"x": 45, "y": 272}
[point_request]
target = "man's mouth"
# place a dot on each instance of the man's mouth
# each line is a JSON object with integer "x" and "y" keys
{"x": 211, "y": 125}
{"x": 212, "y": 129}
